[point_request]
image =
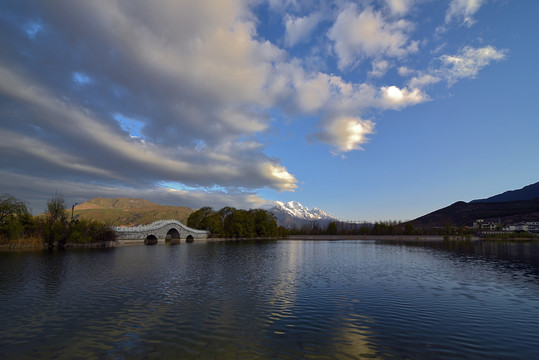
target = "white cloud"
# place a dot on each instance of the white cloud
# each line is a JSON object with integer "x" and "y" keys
{"x": 182, "y": 91}
{"x": 468, "y": 62}
{"x": 399, "y": 7}
{"x": 405, "y": 71}
{"x": 367, "y": 34}
{"x": 96, "y": 149}
{"x": 393, "y": 97}
{"x": 419, "y": 82}
{"x": 463, "y": 10}
{"x": 379, "y": 68}
{"x": 280, "y": 175}
{"x": 345, "y": 133}
{"x": 300, "y": 28}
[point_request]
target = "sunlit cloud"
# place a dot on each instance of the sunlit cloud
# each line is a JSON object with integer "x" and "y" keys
{"x": 345, "y": 133}
{"x": 140, "y": 94}
{"x": 395, "y": 98}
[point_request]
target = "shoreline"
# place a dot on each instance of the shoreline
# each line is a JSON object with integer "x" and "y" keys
{"x": 21, "y": 246}
{"x": 378, "y": 237}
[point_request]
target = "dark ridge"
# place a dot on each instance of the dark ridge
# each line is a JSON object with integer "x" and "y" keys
{"x": 464, "y": 214}
{"x": 529, "y": 192}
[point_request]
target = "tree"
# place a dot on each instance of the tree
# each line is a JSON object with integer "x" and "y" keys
{"x": 57, "y": 225}
{"x": 332, "y": 228}
{"x": 231, "y": 222}
{"x": 14, "y": 217}
{"x": 196, "y": 219}
{"x": 265, "y": 223}
{"x": 409, "y": 229}
{"x": 213, "y": 224}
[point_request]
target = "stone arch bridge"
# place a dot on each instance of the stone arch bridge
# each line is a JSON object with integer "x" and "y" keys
{"x": 162, "y": 231}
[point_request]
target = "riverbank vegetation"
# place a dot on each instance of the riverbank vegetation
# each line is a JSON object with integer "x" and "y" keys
{"x": 54, "y": 228}
{"x": 236, "y": 223}
{"x": 399, "y": 228}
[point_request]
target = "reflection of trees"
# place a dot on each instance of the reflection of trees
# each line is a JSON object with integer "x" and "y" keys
{"x": 503, "y": 253}
{"x": 53, "y": 271}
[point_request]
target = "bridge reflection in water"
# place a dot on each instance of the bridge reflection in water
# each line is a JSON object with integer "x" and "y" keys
{"x": 162, "y": 231}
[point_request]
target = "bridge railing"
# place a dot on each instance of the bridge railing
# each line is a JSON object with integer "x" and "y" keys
{"x": 155, "y": 226}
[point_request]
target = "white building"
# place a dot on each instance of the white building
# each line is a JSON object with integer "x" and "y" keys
{"x": 530, "y": 226}
{"x": 485, "y": 226}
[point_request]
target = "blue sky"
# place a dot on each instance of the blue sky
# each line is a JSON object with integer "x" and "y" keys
{"x": 369, "y": 110}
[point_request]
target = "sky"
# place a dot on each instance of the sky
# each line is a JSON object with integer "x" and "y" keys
{"x": 368, "y": 110}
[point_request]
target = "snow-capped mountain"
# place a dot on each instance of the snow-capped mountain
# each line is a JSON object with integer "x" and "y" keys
{"x": 294, "y": 215}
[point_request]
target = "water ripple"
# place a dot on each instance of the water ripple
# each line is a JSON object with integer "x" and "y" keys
{"x": 286, "y": 300}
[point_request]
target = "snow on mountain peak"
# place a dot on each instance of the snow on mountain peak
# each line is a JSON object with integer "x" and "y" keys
{"x": 296, "y": 210}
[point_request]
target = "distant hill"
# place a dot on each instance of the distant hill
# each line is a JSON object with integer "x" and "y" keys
{"x": 464, "y": 214}
{"x": 129, "y": 211}
{"x": 529, "y": 192}
{"x": 509, "y": 207}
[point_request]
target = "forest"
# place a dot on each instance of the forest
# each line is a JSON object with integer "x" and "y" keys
{"x": 229, "y": 222}
{"x": 54, "y": 228}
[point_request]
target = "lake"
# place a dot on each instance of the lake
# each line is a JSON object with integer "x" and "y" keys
{"x": 283, "y": 299}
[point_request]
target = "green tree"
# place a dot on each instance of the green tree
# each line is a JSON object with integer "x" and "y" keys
{"x": 84, "y": 231}
{"x": 56, "y": 220}
{"x": 409, "y": 229}
{"x": 283, "y": 232}
{"x": 239, "y": 224}
{"x": 213, "y": 224}
{"x": 332, "y": 228}
{"x": 197, "y": 218}
{"x": 265, "y": 223}
{"x": 14, "y": 217}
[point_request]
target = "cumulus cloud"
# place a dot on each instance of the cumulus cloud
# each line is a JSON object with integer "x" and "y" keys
{"x": 190, "y": 74}
{"x": 365, "y": 34}
{"x": 468, "y": 62}
{"x": 399, "y": 7}
{"x": 419, "y": 82}
{"x": 120, "y": 97}
{"x": 393, "y": 97}
{"x": 463, "y": 10}
{"x": 405, "y": 71}
{"x": 345, "y": 133}
{"x": 298, "y": 29}
{"x": 379, "y": 68}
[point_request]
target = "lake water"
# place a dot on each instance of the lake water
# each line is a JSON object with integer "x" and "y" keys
{"x": 279, "y": 299}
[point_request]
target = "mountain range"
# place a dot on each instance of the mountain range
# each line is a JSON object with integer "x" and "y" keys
{"x": 529, "y": 192}
{"x": 131, "y": 211}
{"x": 294, "y": 215}
{"x": 507, "y": 208}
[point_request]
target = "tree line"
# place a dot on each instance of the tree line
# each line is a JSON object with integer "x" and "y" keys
{"x": 389, "y": 227}
{"x": 229, "y": 222}
{"x": 52, "y": 229}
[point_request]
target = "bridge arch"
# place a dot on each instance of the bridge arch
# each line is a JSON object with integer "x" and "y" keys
{"x": 150, "y": 240}
{"x": 160, "y": 231}
{"x": 173, "y": 236}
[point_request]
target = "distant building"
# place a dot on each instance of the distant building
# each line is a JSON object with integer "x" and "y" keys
{"x": 485, "y": 226}
{"x": 530, "y": 226}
